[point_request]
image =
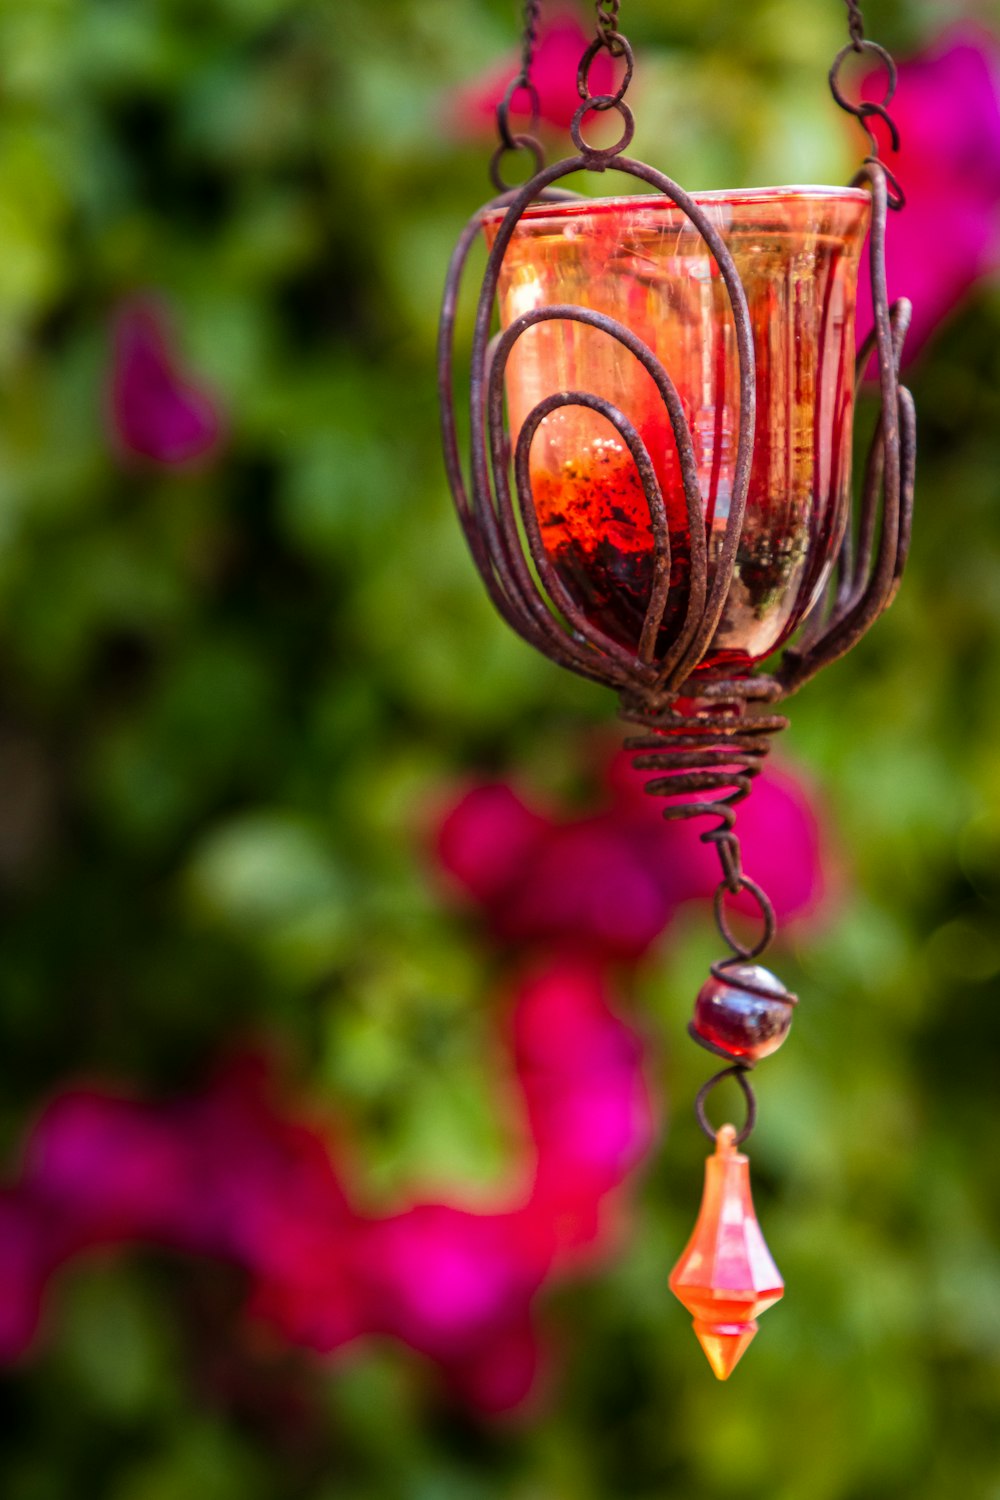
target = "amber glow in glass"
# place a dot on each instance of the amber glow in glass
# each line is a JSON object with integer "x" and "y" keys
{"x": 726, "y": 1276}
{"x": 641, "y": 261}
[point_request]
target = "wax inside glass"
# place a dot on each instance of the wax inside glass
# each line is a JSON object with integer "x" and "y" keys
{"x": 641, "y": 261}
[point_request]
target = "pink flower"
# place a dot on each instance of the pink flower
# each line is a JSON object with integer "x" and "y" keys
{"x": 588, "y": 1105}
{"x": 457, "y": 1287}
{"x": 486, "y": 839}
{"x": 30, "y": 1250}
{"x": 224, "y": 1175}
{"x": 115, "y": 1170}
{"x": 609, "y": 883}
{"x": 157, "y": 412}
{"x": 947, "y": 237}
{"x": 230, "y": 1174}
{"x": 561, "y": 43}
{"x": 786, "y": 845}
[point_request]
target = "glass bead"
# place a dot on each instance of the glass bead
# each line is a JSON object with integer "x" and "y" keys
{"x": 745, "y": 1016}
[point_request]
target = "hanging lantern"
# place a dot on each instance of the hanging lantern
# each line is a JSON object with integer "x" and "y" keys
{"x": 658, "y": 497}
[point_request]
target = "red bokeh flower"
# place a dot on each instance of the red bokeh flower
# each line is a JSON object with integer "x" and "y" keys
{"x": 610, "y": 882}
{"x": 157, "y": 412}
{"x": 588, "y": 1105}
{"x": 230, "y": 1175}
{"x": 561, "y": 43}
{"x": 947, "y": 238}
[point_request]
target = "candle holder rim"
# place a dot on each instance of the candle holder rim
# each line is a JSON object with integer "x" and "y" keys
{"x": 708, "y": 197}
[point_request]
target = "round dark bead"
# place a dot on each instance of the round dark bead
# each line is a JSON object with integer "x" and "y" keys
{"x": 745, "y": 1015}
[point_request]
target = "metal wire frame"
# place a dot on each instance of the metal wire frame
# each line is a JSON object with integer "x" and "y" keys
{"x": 704, "y": 741}
{"x": 485, "y": 507}
{"x": 530, "y": 596}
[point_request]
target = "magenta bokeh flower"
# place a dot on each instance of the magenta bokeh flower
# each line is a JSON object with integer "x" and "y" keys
{"x": 32, "y": 1246}
{"x": 457, "y": 1286}
{"x": 947, "y": 237}
{"x": 588, "y": 1104}
{"x": 561, "y": 43}
{"x": 157, "y": 412}
{"x": 231, "y": 1175}
{"x": 609, "y": 883}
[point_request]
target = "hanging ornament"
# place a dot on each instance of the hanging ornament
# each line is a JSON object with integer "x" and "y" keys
{"x": 671, "y": 390}
{"x": 726, "y": 1276}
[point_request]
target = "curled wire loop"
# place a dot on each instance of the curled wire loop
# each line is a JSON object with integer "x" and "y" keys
{"x": 873, "y": 552}
{"x": 865, "y": 108}
{"x": 505, "y": 539}
{"x": 738, "y": 1073}
{"x": 602, "y": 156}
{"x": 517, "y": 85}
{"x": 600, "y": 44}
{"x": 744, "y": 952}
{"x": 514, "y": 143}
{"x": 607, "y": 25}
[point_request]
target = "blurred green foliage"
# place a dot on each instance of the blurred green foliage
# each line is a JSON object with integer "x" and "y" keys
{"x": 231, "y": 700}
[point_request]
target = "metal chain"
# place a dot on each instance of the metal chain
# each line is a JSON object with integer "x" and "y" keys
{"x": 609, "y": 39}
{"x": 866, "y": 110}
{"x": 522, "y": 81}
{"x": 607, "y": 25}
{"x": 855, "y": 23}
{"x": 532, "y": 18}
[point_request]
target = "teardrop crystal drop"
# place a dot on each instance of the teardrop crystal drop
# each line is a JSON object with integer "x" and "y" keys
{"x": 726, "y": 1276}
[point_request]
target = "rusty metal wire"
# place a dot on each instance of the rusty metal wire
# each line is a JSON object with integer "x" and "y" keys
{"x": 486, "y": 506}
{"x": 873, "y": 556}
{"x": 738, "y": 1072}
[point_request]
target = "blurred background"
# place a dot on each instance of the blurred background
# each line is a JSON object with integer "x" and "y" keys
{"x": 345, "y": 975}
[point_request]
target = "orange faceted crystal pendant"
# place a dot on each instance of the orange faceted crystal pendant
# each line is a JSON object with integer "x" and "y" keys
{"x": 726, "y": 1275}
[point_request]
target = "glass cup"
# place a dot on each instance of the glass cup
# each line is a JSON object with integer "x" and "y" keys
{"x": 641, "y": 261}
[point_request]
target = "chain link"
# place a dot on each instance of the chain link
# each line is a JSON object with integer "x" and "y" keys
{"x": 609, "y": 39}
{"x": 521, "y": 82}
{"x": 865, "y": 111}
{"x": 529, "y": 39}
{"x": 607, "y": 26}
{"x": 855, "y": 23}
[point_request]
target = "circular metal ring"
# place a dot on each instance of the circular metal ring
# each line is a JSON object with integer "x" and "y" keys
{"x": 517, "y": 143}
{"x": 515, "y": 86}
{"x": 738, "y": 1072}
{"x": 582, "y": 72}
{"x": 600, "y": 155}
{"x": 743, "y": 950}
{"x": 855, "y": 47}
{"x": 866, "y": 112}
